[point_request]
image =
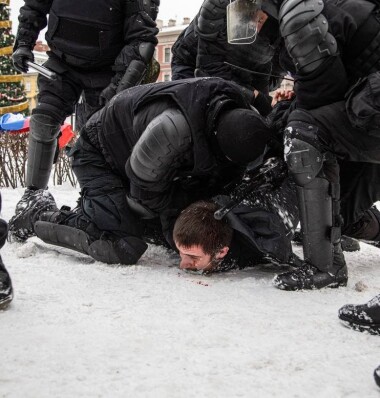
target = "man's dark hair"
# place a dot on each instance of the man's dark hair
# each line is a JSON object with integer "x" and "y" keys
{"x": 196, "y": 226}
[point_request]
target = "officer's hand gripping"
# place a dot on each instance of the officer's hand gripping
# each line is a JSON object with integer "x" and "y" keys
{"x": 20, "y": 58}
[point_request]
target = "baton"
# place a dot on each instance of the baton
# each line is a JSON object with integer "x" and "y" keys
{"x": 42, "y": 70}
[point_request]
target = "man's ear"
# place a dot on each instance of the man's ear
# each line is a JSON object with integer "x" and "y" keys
{"x": 222, "y": 253}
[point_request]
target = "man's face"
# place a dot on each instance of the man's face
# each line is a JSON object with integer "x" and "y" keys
{"x": 261, "y": 18}
{"x": 195, "y": 259}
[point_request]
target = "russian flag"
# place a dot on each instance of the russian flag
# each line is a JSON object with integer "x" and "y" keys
{"x": 18, "y": 123}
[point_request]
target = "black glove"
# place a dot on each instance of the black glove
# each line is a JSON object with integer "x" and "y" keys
{"x": 106, "y": 95}
{"x": 20, "y": 56}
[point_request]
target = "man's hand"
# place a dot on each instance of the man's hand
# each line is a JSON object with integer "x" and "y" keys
{"x": 281, "y": 94}
{"x": 21, "y": 56}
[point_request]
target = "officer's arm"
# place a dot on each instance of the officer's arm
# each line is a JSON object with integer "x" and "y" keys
{"x": 211, "y": 30}
{"x": 140, "y": 38}
{"x": 184, "y": 54}
{"x": 32, "y": 19}
{"x": 310, "y": 39}
{"x": 210, "y": 27}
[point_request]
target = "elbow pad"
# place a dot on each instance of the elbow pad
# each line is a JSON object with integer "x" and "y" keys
{"x": 212, "y": 18}
{"x": 160, "y": 150}
{"x": 305, "y": 30}
{"x": 149, "y": 6}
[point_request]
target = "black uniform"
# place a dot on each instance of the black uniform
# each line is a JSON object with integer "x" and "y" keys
{"x": 327, "y": 130}
{"x": 116, "y": 129}
{"x": 92, "y": 44}
{"x": 202, "y": 50}
{"x": 6, "y": 290}
{"x": 167, "y": 131}
{"x": 89, "y": 42}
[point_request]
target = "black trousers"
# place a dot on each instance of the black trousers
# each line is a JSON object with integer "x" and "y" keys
{"x": 3, "y": 233}
{"x": 103, "y": 191}
{"x": 58, "y": 98}
{"x": 3, "y": 229}
{"x": 358, "y": 154}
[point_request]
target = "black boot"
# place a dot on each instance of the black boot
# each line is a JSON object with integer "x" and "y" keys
{"x": 6, "y": 290}
{"x": 67, "y": 228}
{"x": 43, "y": 135}
{"x": 362, "y": 317}
{"x": 112, "y": 250}
{"x": 28, "y": 210}
{"x": 73, "y": 230}
{"x": 316, "y": 174}
{"x": 367, "y": 228}
{"x": 376, "y": 375}
{"x": 348, "y": 244}
{"x": 310, "y": 277}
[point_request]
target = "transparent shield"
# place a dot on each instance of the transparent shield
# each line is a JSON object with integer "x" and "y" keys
{"x": 242, "y": 21}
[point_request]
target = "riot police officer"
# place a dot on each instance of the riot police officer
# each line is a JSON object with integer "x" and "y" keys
{"x": 96, "y": 48}
{"x": 6, "y": 289}
{"x": 202, "y": 49}
{"x": 334, "y": 49}
{"x": 164, "y": 150}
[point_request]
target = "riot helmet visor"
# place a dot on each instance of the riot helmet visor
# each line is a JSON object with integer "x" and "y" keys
{"x": 243, "y": 18}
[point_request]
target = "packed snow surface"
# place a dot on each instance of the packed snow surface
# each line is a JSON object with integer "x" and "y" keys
{"x": 80, "y": 328}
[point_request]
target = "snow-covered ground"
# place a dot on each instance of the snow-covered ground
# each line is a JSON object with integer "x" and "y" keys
{"x": 79, "y": 328}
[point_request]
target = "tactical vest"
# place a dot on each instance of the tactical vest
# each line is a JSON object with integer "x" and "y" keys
{"x": 91, "y": 30}
{"x": 198, "y": 99}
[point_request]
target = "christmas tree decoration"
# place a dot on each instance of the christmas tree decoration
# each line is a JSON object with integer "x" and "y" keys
{"x": 12, "y": 92}
{"x": 14, "y": 123}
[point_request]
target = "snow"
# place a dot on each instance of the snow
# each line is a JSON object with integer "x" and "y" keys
{"x": 80, "y": 328}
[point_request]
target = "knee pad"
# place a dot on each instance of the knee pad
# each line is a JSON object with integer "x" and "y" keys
{"x": 44, "y": 128}
{"x": 304, "y": 161}
{"x": 54, "y": 111}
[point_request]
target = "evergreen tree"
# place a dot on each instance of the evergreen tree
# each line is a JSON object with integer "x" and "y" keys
{"x": 12, "y": 94}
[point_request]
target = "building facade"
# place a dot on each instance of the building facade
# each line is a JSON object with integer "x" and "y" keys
{"x": 166, "y": 38}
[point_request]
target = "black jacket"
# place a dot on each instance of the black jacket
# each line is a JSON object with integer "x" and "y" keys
{"x": 263, "y": 225}
{"x": 118, "y": 127}
{"x": 202, "y": 49}
{"x": 200, "y": 100}
{"x": 209, "y": 57}
{"x": 88, "y": 34}
{"x": 356, "y": 27}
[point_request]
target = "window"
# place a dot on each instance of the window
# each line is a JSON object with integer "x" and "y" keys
{"x": 167, "y": 55}
{"x": 166, "y": 77}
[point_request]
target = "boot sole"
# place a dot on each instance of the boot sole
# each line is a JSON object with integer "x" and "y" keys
{"x": 5, "y": 302}
{"x": 334, "y": 285}
{"x": 371, "y": 329}
{"x": 377, "y": 377}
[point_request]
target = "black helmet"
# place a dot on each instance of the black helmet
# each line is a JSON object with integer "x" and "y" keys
{"x": 271, "y": 7}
